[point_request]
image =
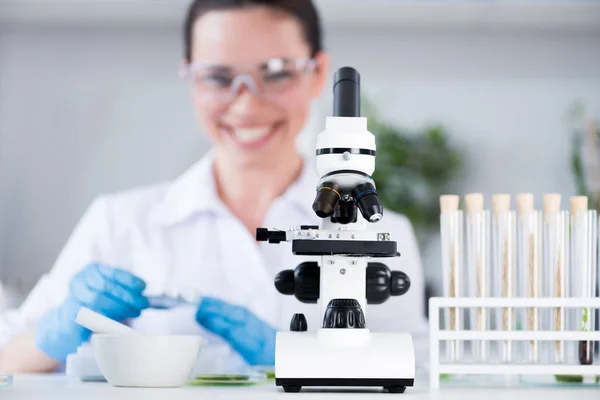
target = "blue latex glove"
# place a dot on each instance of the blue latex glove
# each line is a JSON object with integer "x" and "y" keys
{"x": 109, "y": 291}
{"x": 251, "y": 337}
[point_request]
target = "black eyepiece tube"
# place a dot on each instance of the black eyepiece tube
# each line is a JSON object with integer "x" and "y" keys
{"x": 346, "y": 93}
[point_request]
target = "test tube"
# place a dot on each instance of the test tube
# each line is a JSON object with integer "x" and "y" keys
{"x": 529, "y": 234}
{"x": 584, "y": 228}
{"x": 592, "y": 271}
{"x": 556, "y": 265}
{"x": 451, "y": 225}
{"x": 478, "y": 255}
{"x": 504, "y": 225}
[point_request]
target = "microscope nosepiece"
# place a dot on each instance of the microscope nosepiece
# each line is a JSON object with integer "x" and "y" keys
{"x": 368, "y": 203}
{"x": 328, "y": 196}
{"x": 345, "y": 213}
{"x": 376, "y": 217}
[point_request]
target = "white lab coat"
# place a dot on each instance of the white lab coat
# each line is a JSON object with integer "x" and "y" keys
{"x": 180, "y": 233}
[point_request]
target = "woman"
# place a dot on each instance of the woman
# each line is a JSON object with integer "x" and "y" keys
{"x": 254, "y": 67}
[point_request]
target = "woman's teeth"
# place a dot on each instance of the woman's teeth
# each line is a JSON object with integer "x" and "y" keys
{"x": 251, "y": 134}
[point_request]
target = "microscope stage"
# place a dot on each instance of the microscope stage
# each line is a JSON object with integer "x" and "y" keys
{"x": 308, "y": 247}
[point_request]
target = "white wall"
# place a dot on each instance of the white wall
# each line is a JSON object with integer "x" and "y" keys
{"x": 90, "y": 110}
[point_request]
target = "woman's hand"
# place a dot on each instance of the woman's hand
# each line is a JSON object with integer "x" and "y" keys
{"x": 109, "y": 291}
{"x": 251, "y": 337}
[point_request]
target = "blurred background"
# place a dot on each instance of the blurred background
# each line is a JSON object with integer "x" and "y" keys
{"x": 486, "y": 96}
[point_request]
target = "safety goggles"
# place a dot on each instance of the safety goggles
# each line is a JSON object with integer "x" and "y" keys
{"x": 264, "y": 79}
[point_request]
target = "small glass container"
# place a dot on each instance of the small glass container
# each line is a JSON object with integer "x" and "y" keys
{"x": 6, "y": 380}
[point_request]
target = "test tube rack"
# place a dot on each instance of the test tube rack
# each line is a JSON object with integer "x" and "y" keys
{"x": 438, "y": 335}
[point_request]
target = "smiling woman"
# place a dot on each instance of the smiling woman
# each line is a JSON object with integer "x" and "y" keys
{"x": 253, "y": 68}
{"x": 253, "y": 72}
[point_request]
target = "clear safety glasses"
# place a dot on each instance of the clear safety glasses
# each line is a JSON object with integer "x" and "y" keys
{"x": 267, "y": 79}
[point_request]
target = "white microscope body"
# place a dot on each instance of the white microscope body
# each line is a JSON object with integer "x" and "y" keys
{"x": 343, "y": 351}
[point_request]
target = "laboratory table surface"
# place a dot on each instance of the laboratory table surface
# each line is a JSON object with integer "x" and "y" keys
{"x": 64, "y": 388}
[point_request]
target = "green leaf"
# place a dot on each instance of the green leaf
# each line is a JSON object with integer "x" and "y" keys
{"x": 585, "y": 319}
{"x": 413, "y": 168}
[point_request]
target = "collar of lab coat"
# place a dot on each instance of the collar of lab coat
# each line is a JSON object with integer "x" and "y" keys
{"x": 194, "y": 193}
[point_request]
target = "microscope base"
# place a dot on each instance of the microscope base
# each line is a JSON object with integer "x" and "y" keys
{"x": 344, "y": 357}
{"x": 391, "y": 385}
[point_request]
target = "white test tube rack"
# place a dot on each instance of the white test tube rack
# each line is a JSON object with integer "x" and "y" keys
{"x": 437, "y": 335}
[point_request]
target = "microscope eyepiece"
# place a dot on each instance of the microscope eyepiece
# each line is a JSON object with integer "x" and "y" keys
{"x": 328, "y": 196}
{"x": 368, "y": 203}
{"x": 346, "y": 93}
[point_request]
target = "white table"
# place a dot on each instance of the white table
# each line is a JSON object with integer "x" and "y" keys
{"x": 28, "y": 387}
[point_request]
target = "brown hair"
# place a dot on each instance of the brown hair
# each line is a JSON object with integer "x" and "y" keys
{"x": 303, "y": 10}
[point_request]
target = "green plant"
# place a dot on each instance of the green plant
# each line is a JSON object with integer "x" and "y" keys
{"x": 413, "y": 169}
{"x": 585, "y": 155}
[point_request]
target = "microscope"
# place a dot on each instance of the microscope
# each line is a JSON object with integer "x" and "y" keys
{"x": 342, "y": 351}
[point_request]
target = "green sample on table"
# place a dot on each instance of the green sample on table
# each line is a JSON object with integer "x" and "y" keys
{"x": 572, "y": 378}
{"x": 266, "y": 370}
{"x": 569, "y": 378}
{"x": 270, "y": 374}
{"x": 223, "y": 377}
{"x": 221, "y": 383}
{"x": 225, "y": 380}
{"x": 445, "y": 377}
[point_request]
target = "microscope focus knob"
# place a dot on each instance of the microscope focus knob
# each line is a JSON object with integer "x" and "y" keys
{"x": 379, "y": 277}
{"x": 284, "y": 282}
{"x": 302, "y": 282}
{"x": 400, "y": 283}
{"x": 298, "y": 323}
{"x": 383, "y": 283}
{"x": 344, "y": 313}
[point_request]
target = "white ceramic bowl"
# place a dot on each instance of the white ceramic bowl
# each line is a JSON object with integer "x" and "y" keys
{"x": 146, "y": 360}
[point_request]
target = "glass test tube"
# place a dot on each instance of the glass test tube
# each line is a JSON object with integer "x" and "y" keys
{"x": 556, "y": 267}
{"x": 451, "y": 226}
{"x": 478, "y": 259}
{"x": 530, "y": 262}
{"x": 592, "y": 273}
{"x": 504, "y": 225}
{"x": 584, "y": 227}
